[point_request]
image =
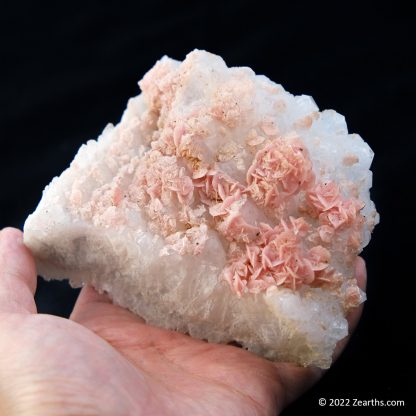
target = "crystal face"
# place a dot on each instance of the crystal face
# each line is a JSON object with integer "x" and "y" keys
{"x": 221, "y": 206}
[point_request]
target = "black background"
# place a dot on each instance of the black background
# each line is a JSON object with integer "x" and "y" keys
{"x": 67, "y": 70}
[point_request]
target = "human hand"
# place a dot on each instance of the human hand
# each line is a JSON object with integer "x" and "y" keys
{"x": 106, "y": 361}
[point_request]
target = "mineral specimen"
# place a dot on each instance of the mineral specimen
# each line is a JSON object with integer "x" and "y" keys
{"x": 220, "y": 206}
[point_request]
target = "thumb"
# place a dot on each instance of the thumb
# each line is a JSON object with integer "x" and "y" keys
{"x": 17, "y": 274}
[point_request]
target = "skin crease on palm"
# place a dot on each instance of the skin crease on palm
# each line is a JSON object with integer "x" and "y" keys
{"x": 106, "y": 361}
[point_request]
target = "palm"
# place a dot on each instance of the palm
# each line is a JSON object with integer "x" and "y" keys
{"x": 107, "y": 359}
{"x": 138, "y": 365}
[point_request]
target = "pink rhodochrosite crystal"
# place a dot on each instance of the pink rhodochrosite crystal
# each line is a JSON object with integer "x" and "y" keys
{"x": 221, "y": 206}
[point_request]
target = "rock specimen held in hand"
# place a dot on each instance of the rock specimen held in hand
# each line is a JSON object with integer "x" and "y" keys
{"x": 221, "y": 206}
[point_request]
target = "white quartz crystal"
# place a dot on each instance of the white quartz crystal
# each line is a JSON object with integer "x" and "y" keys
{"x": 160, "y": 210}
